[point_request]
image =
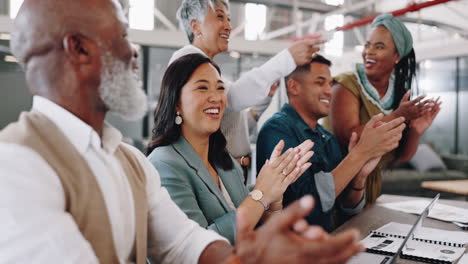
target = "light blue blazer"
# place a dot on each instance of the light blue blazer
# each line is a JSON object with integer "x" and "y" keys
{"x": 193, "y": 189}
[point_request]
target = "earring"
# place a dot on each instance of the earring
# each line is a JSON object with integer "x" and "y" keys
{"x": 178, "y": 119}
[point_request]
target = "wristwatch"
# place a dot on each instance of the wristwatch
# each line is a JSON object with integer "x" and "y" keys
{"x": 257, "y": 195}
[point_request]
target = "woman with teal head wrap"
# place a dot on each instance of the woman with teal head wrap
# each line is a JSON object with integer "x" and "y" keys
{"x": 382, "y": 84}
{"x": 405, "y": 69}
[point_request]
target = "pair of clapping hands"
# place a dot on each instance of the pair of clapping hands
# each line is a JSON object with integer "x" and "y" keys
{"x": 283, "y": 169}
{"x": 419, "y": 112}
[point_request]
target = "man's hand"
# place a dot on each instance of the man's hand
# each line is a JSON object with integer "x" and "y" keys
{"x": 378, "y": 138}
{"x": 359, "y": 180}
{"x": 285, "y": 238}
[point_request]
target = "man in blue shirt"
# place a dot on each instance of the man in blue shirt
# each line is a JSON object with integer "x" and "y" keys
{"x": 332, "y": 179}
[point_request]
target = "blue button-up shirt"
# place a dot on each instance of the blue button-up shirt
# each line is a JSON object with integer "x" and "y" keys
{"x": 317, "y": 180}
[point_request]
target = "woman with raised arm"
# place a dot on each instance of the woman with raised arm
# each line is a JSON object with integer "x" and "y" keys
{"x": 208, "y": 28}
{"x": 188, "y": 150}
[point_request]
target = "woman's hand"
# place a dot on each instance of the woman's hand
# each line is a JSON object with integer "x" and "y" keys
{"x": 413, "y": 109}
{"x": 283, "y": 169}
{"x": 304, "y": 51}
{"x": 421, "y": 124}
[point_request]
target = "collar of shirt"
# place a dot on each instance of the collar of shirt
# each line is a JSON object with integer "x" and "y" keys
{"x": 319, "y": 131}
{"x": 80, "y": 134}
{"x": 188, "y": 49}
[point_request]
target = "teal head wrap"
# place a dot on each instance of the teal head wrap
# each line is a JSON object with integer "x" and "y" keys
{"x": 401, "y": 35}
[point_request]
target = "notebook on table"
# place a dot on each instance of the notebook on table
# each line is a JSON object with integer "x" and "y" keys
{"x": 412, "y": 242}
{"x": 427, "y": 245}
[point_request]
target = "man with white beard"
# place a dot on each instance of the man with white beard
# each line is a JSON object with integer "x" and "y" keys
{"x": 121, "y": 89}
{"x": 72, "y": 192}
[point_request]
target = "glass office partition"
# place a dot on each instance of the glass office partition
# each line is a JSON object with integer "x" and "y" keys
{"x": 438, "y": 78}
{"x": 463, "y": 106}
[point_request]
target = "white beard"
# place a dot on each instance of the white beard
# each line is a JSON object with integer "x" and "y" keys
{"x": 121, "y": 90}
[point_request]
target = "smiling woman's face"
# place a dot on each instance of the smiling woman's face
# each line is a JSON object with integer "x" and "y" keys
{"x": 379, "y": 54}
{"x": 202, "y": 102}
{"x": 212, "y": 35}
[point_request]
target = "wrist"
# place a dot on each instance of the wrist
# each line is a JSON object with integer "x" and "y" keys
{"x": 394, "y": 114}
{"x": 357, "y": 185}
{"x": 258, "y": 196}
{"x": 360, "y": 152}
{"x": 276, "y": 206}
{"x": 233, "y": 259}
{"x": 358, "y": 188}
{"x": 358, "y": 182}
{"x": 413, "y": 129}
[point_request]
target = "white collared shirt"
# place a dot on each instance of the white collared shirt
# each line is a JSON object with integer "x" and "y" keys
{"x": 34, "y": 227}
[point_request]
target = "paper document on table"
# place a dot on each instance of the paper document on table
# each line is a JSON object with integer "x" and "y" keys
{"x": 439, "y": 211}
{"x": 426, "y": 233}
{"x": 433, "y": 251}
{"x": 425, "y": 244}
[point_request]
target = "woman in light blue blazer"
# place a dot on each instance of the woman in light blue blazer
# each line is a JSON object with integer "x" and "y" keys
{"x": 188, "y": 150}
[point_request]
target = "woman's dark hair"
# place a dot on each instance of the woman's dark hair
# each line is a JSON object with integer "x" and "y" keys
{"x": 165, "y": 130}
{"x": 405, "y": 71}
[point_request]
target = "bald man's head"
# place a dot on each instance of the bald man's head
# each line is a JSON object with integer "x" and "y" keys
{"x": 77, "y": 54}
{"x": 41, "y": 25}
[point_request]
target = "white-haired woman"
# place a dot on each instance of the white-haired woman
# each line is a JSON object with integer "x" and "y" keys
{"x": 208, "y": 28}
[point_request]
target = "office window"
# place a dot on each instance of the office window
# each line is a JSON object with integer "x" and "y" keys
{"x": 255, "y": 21}
{"x": 141, "y": 14}
{"x": 334, "y": 47}
{"x": 14, "y": 7}
{"x": 438, "y": 78}
{"x": 463, "y": 106}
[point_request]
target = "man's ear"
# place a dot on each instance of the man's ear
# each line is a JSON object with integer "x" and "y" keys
{"x": 79, "y": 49}
{"x": 292, "y": 86}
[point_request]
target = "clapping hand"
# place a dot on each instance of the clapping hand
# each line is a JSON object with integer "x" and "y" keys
{"x": 369, "y": 166}
{"x": 413, "y": 109}
{"x": 286, "y": 238}
{"x": 421, "y": 124}
{"x": 283, "y": 169}
{"x": 379, "y": 137}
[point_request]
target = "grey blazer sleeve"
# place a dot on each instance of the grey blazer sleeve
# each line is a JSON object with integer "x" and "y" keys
{"x": 178, "y": 183}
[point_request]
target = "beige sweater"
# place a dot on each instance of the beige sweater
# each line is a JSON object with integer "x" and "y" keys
{"x": 84, "y": 200}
